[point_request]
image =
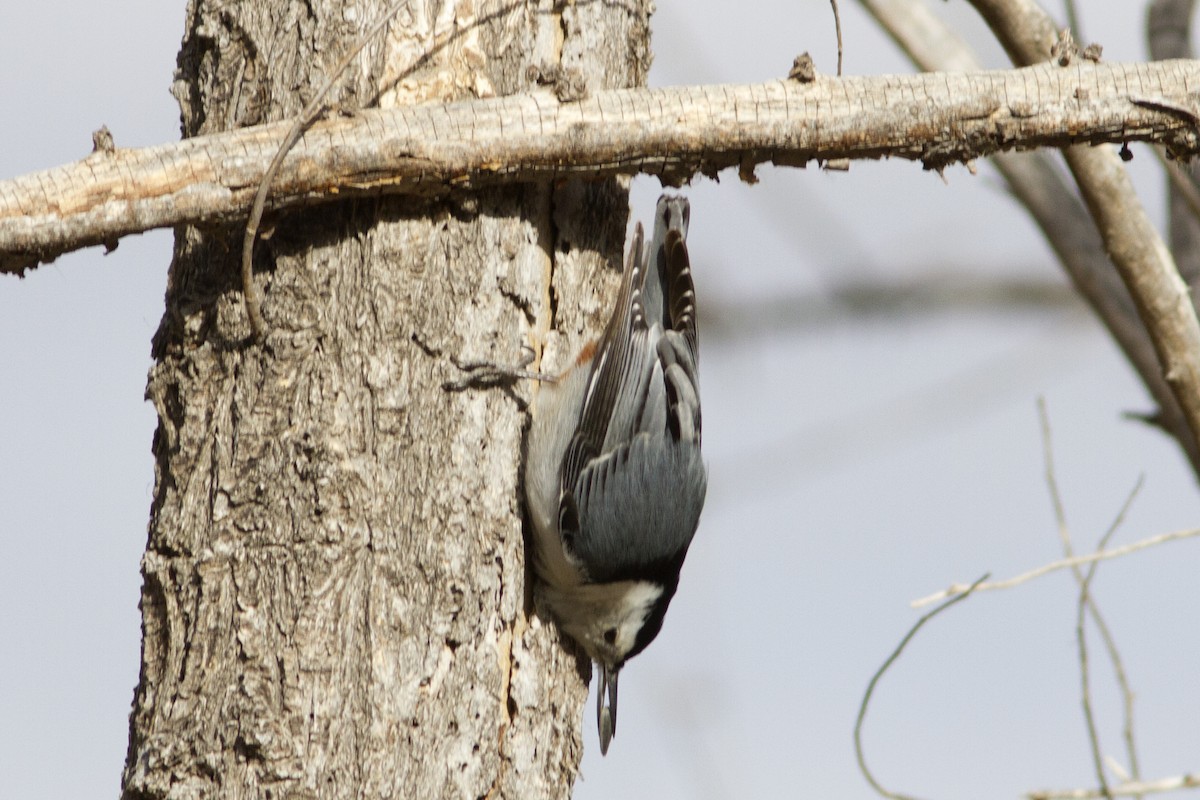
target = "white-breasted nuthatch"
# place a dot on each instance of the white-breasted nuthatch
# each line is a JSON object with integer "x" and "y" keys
{"x": 613, "y": 476}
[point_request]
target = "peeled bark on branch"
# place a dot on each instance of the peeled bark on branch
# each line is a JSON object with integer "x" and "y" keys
{"x": 435, "y": 148}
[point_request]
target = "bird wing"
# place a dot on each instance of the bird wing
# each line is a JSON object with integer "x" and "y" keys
{"x": 641, "y": 408}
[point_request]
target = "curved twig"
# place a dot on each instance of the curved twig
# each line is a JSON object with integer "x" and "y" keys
{"x": 862, "y": 709}
{"x": 306, "y": 118}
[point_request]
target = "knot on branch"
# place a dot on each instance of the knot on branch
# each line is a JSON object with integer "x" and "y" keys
{"x": 569, "y": 83}
{"x": 1064, "y": 50}
{"x": 803, "y": 69}
{"x": 102, "y": 140}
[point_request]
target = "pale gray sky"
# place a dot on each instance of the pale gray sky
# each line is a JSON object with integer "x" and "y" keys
{"x": 855, "y": 464}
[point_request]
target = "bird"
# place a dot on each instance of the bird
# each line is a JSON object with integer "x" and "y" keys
{"x": 614, "y": 478}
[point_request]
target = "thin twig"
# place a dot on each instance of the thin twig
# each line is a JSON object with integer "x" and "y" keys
{"x": 1064, "y": 534}
{"x": 1117, "y": 552}
{"x": 837, "y": 24}
{"x": 1110, "y": 642}
{"x": 1110, "y": 645}
{"x": 1089, "y": 716}
{"x": 1127, "y": 788}
{"x": 862, "y": 709}
{"x": 1134, "y": 771}
{"x": 1073, "y": 20}
{"x": 1134, "y": 243}
{"x": 306, "y": 118}
{"x": 1068, "y": 227}
{"x": 1168, "y": 24}
{"x": 1136, "y": 787}
{"x": 1060, "y": 516}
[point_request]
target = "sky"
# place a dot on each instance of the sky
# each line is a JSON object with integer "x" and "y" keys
{"x": 859, "y": 458}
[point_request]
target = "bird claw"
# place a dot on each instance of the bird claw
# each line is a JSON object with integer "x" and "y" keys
{"x": 489, "y": 373}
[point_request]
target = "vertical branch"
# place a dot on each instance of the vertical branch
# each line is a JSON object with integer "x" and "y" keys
{"x": 1073, "y": 20}
{"x": 1138, "y": 252}
{"x": 1060, "y": 515}
{"x": 859, "y": 752}
{"x": 1038, "y": 184}
{"x": 1167, "y": 23}
{"x": 1080, "y": 632}
{"x": 837, "y": 25}
{"x": 1110, "y": 642}
{"x": 1085, "y": 688}
{"x": 1088, "y": 605}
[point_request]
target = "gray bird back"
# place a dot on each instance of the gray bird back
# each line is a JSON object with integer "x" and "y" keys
{"x": 633, "y": 481}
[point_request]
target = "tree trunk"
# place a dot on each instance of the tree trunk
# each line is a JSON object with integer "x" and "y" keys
{"x": 336, "y": 600}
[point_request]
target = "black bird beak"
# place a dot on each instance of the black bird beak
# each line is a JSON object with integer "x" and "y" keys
{"x": 606, "y": 715}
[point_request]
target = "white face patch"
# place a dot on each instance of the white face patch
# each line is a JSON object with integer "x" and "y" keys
{"x": 604, "y": 618}
{"x": 633, "y": 609}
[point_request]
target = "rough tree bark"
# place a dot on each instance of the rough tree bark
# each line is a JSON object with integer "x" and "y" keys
{"x": 335, "y": 596}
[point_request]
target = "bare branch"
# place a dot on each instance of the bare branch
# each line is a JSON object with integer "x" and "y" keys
{"x": 837, "y": 24}
{"x": 1087, "y": 604}
{"x": 1060, "y": 514}
{"x": 1133, "y": 243}
{"x": 1183, "y": 185}
{"x": 673, "y": 132}
{"x": 1167, "y": 23}
{"x": 1128, "y": 788}
{"x": 1064, "y": 535}
{"x": 1073, "y": 21}
{"x": 866, "y": 700}
{"x": 1110, "y": 645}
{"x": 939, "y": 290}
{"x": 1167, "y": 32}
{"x": 1038, "y": 184}
{"x": 1089, "y": 716}
{"x": 1117, "y": 552}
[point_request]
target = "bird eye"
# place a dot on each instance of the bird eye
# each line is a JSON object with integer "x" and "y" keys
{"x": 610, "y": 635}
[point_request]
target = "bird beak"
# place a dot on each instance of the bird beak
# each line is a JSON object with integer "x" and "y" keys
{"x": 606, "y": 715}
